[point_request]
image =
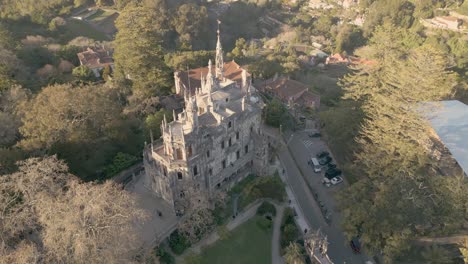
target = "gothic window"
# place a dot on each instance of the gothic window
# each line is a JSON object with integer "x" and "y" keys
{"x": 179, "y": 175}
{"x": 208, "y": 154}
{"x": 210, "y": 171}
{"x": 178, "y": 153}
{"x": 229, "y": 124}
{"x": 230, "y": 142}
{"x": 237, "y": 135}
{"x": 238, "y": 154}
{"x": 224, "y": 164}
{"x": 222, "y": 144}
{"x": 246, "y": 148}
{"x": 189, "y": 151}
{"x": 195, "y": 170}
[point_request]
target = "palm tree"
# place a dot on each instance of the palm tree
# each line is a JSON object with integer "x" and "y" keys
{"x": 294, "y": 254}
{"x": 436, "y": 255}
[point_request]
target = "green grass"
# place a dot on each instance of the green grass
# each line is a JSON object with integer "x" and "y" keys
{"x": 80, "y": 28}
{"x": 247, "y": 244}
{"x": 100, "y": 15}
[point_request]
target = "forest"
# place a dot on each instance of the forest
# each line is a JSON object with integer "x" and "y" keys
{"x": 64, "y": 132}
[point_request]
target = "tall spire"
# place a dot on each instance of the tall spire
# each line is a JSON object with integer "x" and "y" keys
{"x": 219, "y": 56}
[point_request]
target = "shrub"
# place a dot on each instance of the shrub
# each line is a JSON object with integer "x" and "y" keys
{"x": 165, "y": 257}
{"x": 289, "y": 229}
{"x": 178, "y": 242}
{"x": 120, "y": 162}
{"x": 264, "y": 223}
{"x": 266, "y": 208}
{"x": 289, "y": 234}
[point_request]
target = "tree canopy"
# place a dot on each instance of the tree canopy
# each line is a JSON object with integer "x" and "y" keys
{"x": 138, "y": 55}
{"x": 399, "y": 197}
{"x": 48, "y": 216}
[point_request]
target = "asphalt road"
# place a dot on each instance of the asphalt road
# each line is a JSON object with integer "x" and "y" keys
{"x": 302, "y": 148}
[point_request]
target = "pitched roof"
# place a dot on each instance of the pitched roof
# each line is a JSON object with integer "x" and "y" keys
{"x": 95, "y": 57}
{"x": 232, "y": 71}
{"x": 449, "y": 119}
{"x": 284, "y": 88}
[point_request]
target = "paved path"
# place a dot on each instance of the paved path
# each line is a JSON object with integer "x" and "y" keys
{"x": 300, "y": 178}
{"x": 276, "y": 257}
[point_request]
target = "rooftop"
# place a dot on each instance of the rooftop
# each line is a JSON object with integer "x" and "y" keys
{"x": 449, "y": 119}
{"x": 285, "y": 88}
{"x": 95, "y": 57}
{"x": 232, "y": 71}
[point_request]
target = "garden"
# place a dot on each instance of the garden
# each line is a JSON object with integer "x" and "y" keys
{"x": 253, "y": 239}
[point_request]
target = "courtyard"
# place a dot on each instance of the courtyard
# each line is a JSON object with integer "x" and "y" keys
{"x": 251, "y": 238}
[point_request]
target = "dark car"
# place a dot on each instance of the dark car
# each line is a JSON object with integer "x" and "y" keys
{"x": 331, "y": 165}
{"x": 355, "y": 245}
{"x": 332, "y": 173}
{"x": 323, "y": 154}
{"x": 315, "y": 135}
{"x": 325, "y": 160}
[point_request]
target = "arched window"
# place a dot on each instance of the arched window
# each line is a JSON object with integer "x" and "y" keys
{"x": 179, "y": 153}
{"x": 229, "y": 124}
{"x": 179, "y": 175}
{"x": 195, "y": 170}
{"x": 189, "y": 151}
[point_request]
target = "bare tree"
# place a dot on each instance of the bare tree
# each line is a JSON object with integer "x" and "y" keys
{"x": 198, "y": 218}
{"x": 48, "y": 216}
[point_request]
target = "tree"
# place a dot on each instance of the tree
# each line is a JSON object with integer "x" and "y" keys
{"x": 190, "y": 22}
{"x": 464, "y": 249}
{"x": 436, "y": 254}
{"x": 83, "y": 73}
{"x": 153, "y": 122}
{"x": 394, "y": 146}
{"x": 349, "y": 37}
{"x": 138, "y": 53}
{"x": 49, "y": 216}
{"x": 398, "y": 13}
{"x": 275, "y": 112}
{"x": 62, "y": 113}
{"x": 6, "y": 38}
{"x": 106, "y": 73}
{"x": 238, "y": 51}
{"x": 294, "y": 254}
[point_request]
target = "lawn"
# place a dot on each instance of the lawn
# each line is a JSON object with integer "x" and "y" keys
{"x": 100, "y": 15}
{"x": 248, "y": 243}
{"x": 77, "y": 28}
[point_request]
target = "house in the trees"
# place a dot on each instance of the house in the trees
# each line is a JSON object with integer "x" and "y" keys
{"x": 96, "y": 59}
{"x": 290, "y": 92}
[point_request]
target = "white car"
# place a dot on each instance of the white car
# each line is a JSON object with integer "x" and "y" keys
{"x": 336, "y": 180}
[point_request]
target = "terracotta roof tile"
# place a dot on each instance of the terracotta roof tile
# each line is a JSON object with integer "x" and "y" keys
{"x": 95, "y": 58}
{"x": 232, "y": 71}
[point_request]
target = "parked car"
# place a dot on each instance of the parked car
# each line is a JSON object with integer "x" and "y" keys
{"x": 326, "y": 182}
{"x": 325, "y": 160}
{"x": 336, "y": 180}
{"x": 323, "y": 154}
{"x": 355, "y": 245}
{"x": 331, "y": 165}
{"x": 315, "y": 135}
{"x": 332, "y": 173}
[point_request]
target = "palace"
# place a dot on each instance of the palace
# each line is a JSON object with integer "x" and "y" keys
{"x": 215, "y": 141}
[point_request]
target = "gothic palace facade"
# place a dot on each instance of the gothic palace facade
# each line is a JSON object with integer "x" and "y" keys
{"x": 215, "y": 141}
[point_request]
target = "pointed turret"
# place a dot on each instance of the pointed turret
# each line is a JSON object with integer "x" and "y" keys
{"x": 219, "y": 62}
